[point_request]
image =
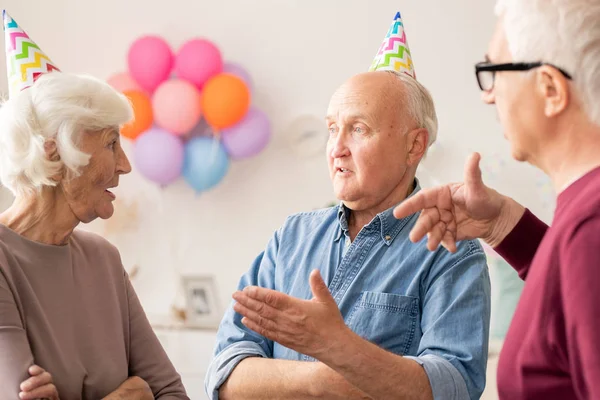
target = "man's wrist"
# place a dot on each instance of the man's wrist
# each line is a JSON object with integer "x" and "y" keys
{"x": 510, "y": 215}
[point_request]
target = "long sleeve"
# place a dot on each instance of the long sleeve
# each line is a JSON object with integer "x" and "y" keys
{"x": 147, "y": 358}
{"x": 580, "y": 287}
{"x": 521, "y": 244}
{"x": 235, "y": 341}
{"x": 455, "y": 324}
{"x": 15, "y": 353}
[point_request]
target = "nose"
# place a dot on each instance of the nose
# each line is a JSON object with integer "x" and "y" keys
{"x": 123, "y": 165}
{"x": 488, "y": 96}
{"x": 339, "y": 147}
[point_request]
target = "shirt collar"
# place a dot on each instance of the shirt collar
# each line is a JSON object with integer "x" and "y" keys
{"x": 389, "y": 225}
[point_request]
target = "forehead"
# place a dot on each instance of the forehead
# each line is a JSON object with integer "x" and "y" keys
{"x": 370, "y": 94}
{"x": 498, "y": 50}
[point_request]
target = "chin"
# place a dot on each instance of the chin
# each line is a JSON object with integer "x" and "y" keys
{"x": 106, "y": 212}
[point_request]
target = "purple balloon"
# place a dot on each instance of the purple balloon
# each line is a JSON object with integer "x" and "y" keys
{"x": 158, "y": 156}
{"x": 249, "y": 136}
{"x": 239, "y": 71}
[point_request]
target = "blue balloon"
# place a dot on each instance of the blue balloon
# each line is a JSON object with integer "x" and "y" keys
{"x": 205, "y": 163}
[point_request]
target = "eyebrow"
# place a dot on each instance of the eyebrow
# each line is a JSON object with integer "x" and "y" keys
{"x": 112, "y": 133}
{"x": 487, "y": 58}
{"x": 351, "y": 117}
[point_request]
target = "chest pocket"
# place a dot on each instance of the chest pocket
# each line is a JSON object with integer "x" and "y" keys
{"x": 385, "y": 319}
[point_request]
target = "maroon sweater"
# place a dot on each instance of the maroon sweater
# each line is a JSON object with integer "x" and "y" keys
{"x": 552, "y": 349}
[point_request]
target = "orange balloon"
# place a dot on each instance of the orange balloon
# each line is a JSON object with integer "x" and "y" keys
{"x": 142, "y": 114}
{"x": 225, "y": 100}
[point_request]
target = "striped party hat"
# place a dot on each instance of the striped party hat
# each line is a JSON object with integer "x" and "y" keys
{"x": 394, "y": 53}
{"x": 25, "y": 61}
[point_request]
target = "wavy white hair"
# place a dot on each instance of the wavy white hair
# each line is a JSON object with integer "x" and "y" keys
{"x": 565, "y": 33}
{"x": 58, "y": 106}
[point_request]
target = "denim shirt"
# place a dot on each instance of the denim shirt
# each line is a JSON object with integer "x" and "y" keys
{"x": 432, "y": 307}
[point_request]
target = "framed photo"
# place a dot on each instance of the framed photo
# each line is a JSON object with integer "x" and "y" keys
{"x": 201, "y": 302}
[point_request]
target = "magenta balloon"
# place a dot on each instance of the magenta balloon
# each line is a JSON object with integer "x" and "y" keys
{"x": 248, "y": 137}
{"x": 150, "y": 61}
{"x": 197, "y": 61}
{"x": 159, "y": 156}
{"x": 239, "y": 71}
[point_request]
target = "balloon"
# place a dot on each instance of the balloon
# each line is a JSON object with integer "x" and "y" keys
{"x": 159, "y": 155}
{"x": 176, "y": 106}
{"x": 150, "y": 61}
{"x": 197, "y": 61}
{"x": 249, "y": 136}
{"x": 225, "y": 100}
{"x": 205, "y": 163}
{"x": 142, "y": 114}
{"x": 123, "y": 82}
{"x": 240, "y": 72}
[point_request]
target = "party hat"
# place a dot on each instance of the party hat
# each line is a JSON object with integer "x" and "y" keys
{"x": 25, "y": 61}
{"x": 394, "y": 53}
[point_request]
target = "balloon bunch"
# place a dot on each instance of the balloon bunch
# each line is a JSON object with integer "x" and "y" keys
{"x": 173, "y": 96}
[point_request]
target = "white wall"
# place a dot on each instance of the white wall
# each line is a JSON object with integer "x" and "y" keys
{"x": 298, "y": 52}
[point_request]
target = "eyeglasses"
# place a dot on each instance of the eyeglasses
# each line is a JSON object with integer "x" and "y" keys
{"x": 486, "y": 72}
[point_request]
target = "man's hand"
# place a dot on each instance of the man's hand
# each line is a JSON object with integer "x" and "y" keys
{"x": 38, "y": 386}
{"x": 311, "y": 327}
{"x": 460, "y": 211}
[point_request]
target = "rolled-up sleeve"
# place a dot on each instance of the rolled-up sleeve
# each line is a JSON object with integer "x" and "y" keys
{"x": 445, "y": 380}
{"x": 234, "y": 341}
{"x": 455, "y": 323}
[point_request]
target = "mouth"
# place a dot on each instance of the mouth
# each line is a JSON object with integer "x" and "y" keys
{"x": 342, "y": 170}
{"x": 111, "y": 194}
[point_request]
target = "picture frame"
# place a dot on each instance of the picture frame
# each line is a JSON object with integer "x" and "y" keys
{"x": 202, "y": 308}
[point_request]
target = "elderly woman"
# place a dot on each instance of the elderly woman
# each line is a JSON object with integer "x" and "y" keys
{"x": 71, "y": 326}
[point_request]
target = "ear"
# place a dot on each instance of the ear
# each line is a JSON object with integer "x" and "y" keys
{"x": 553, "y": 86}
{"x": 416, "y": 141}
{"x": 51, "y": 150}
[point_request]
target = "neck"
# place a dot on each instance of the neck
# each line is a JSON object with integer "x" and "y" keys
{"x": 575, "y": 153}
{"x": 43, "y": 217}
{"x": 359, "y": 218}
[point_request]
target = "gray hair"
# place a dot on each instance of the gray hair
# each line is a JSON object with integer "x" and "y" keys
{"x": 565, "y": 33}
{"x": 58, "y": 106}
{"x": 420, "y": 105}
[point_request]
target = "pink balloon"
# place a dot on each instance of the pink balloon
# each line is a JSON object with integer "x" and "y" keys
{"x": 176, "y": 106}
{"x": 197, "y": 61}
{"x": 150, "y": 61}
{"x": 123, "y": 82}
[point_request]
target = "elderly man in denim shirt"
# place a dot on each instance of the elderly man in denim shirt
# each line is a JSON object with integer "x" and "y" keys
{"x": 341, "y": 304}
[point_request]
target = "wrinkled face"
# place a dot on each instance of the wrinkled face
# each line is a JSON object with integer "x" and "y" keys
{"x": 367, "y": 151}
{"x": 88, "y": 194}
{"x": 518, "y": 102}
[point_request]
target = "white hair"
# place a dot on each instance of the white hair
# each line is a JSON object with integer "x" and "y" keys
{"x": 61, "y": 107}
{"x": 420, "y": 106}
{"x": 565, "y": 33}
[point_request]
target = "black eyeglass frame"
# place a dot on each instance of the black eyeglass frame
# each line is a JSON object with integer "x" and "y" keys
{"x": 490, "y": 67}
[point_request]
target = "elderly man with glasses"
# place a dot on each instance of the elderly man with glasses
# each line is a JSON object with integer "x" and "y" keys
{"x": 552, "y": 121}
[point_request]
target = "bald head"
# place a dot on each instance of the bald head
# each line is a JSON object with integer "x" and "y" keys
{"x": 373, "y": 94}
{"x": 390, "y": 93}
